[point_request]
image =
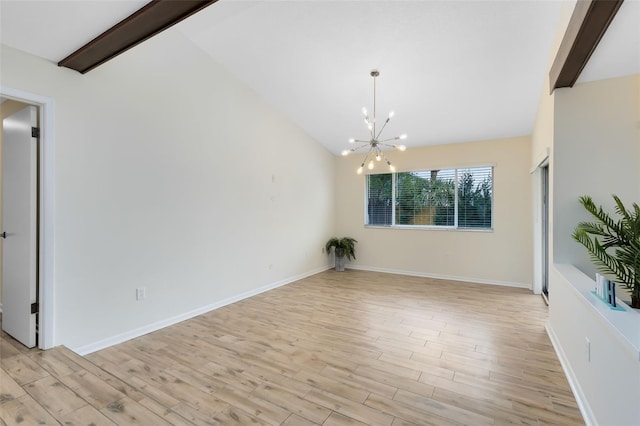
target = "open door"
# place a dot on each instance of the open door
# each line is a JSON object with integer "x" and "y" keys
{"x": 20, "y": 225}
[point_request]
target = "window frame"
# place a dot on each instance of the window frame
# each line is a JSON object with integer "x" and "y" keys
{"x": 455, "y": 227}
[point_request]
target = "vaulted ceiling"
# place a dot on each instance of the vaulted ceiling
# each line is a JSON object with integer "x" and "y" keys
{"x": 452, "y": 71}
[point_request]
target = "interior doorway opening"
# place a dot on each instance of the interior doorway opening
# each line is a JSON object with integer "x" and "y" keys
{"x": 19, "y": 178}
{"x": 45, "y": 213}
{"x": 544, "y": 219}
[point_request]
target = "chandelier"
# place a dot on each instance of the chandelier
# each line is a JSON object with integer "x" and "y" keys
{"x": 374, "y": 143}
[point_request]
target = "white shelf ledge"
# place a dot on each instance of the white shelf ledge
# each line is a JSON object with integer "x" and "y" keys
{"x": 624, "y": 325}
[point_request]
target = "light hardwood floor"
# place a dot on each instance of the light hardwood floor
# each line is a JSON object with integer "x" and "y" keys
{"x": 346, "y": 348}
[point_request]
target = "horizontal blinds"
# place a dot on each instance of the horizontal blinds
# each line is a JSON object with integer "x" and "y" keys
{"x": 460, "y": 198}
{"x": 379, "y": 199}
{"x": 475, "y": 197}
{"x": 425, "y": 198}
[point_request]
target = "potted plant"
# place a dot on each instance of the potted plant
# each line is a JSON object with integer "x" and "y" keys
{"x": 615, "y": 246}
{"x": 343, "y": 247}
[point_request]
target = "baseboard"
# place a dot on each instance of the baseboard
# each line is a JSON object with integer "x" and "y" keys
{"x": 141, "y": 331}
{"x": 437, "y": 276}
{"x": 581, "y": 400}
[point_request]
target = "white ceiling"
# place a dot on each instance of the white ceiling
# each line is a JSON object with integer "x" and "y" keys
{"x": 452, "y": 71}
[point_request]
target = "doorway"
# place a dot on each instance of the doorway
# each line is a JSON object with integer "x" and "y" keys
{"x": 544, "y": 219}
{"x": 19, "y": 216}
{"x": 45, "y": 217}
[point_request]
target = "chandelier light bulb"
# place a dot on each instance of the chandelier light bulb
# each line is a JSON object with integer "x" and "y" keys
{"x": 391, "y": 114}
{"x": 364, "y": 111}
{"x": 360, "y": 170}
{"x": 402, "y": 148}
{"x": 370, "y": 166}
{"x": 352, "y": 140}
{"x": 345, "y": 152}
{"x": 403, "y": 136}
{"x": 378, "y": 157}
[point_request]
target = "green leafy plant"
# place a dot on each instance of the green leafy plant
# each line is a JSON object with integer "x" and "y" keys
{"x": 614, "y": 245}
{"x": 345, "y": 246}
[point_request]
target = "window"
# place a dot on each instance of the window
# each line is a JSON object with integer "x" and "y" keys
{"x": 454, "y": 198}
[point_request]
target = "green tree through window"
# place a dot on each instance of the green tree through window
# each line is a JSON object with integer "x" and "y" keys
{"x": 432, "y": 198}
{"x": 379, "y": 202}
{"x": 425, "y": 198}
{"x": 475, "y": 198}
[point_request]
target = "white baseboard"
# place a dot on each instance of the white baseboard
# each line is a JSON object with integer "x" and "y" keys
{"x": 441, "y": 277}
{"x": 581, "y": 400}
{"x": 141, "y": 331}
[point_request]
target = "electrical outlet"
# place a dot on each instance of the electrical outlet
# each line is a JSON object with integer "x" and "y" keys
{"x": 587, "y": 347}
{"x": 141, "y": 293}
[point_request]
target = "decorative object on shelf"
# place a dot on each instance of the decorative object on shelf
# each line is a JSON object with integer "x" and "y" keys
{"x": 606, "y": 291}
{"x": 344, "y": 248}
{"x": 615, "y": 247}
{"x": 374, "y": 143}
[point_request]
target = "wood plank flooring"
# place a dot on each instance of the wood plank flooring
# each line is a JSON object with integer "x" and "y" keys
{"x": 351, "y": 348}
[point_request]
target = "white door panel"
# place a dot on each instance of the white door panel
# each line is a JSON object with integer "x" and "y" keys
{"x": 19, "y": 220}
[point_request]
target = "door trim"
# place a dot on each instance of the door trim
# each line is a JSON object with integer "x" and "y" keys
{"x": 46, "y": 265}
{"x": 537, "y": 224}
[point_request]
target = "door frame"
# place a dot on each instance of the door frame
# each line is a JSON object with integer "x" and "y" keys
{"x": 46, "y": 106}
{"x": 538, "y": 261}
{"x": 544, "y": 229}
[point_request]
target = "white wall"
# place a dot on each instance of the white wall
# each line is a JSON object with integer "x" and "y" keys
{"x": 596, "y": 152}
{"x": 502, "y": 256}
{"x": 638, "y": 128}
{"x": 171, "y": 174}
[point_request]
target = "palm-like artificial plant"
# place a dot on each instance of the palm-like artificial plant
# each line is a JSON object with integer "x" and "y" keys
{"x": 615, "y": 245}
{"x": 343, "y": 247}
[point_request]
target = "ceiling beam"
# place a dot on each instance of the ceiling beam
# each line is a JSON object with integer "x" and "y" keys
{"x": 152, "y": 19}
{"x": 588, "y": 23}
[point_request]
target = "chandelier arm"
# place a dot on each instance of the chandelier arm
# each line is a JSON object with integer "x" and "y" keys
{"x": 386, "y": 160}
{"x": 365, "y": 159}
{"x": 386, "y": 144}
{"x": 380, "y": 152}
{"x": 373, "y": 148}
{"x": 383, "y": 126}
{"x": 397, "y": 138}
{"x": 357, "y": 148}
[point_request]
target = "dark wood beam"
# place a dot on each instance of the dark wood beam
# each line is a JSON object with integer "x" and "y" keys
{"x": 153, "y": 18}
{"x": 588, "y": 23}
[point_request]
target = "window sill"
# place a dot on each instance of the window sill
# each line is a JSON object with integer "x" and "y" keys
{"x": 431, "y": 228}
